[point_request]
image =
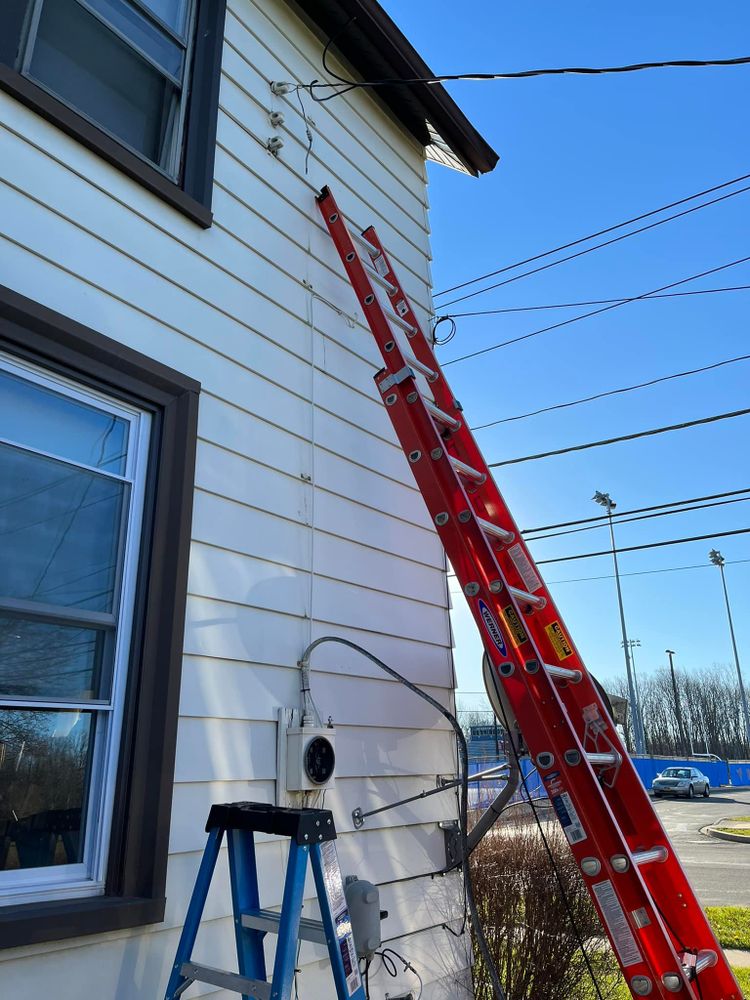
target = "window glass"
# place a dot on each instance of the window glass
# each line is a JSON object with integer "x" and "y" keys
{"x": 40, "y": 418}
{"x": 46, "y": 660}
{"x": 60, "y": 531}
{"x": 172, "y": 12}
{"x": 142, "y": 32}
{"x": 44, "y": 763}
{"x": 83, "y": 62}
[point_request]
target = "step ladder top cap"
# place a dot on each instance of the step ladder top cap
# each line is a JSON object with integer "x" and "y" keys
{"x": 305, "y": 826}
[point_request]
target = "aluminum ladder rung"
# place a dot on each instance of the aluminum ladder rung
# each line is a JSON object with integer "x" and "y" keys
{"x": 706, "y": 959}
{"x": 536, "y": 602}
{"x": 441, "y": 416}
{"x": 377, "y": 277}
{"x": 496, "y": 531}
{"x": 392, "y": 317}
{"x": 417, "y": 365}
{"x": 269, "y": 921}
{"x": 653, "y": 854}
{"x": 563, "y": 673}
{"x": 196, "y": 973}
{"x": 467, "y": 471}
{"x": 364, "y": 243}
{"x": 608, "y": 759}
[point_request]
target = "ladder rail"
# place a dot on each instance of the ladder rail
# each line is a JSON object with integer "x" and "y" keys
{"x": 515, "y": 643}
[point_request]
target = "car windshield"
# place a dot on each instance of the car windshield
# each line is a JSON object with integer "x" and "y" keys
{"x": 677, "y": 772}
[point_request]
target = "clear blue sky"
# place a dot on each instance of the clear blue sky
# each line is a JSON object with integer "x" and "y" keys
{"x": 578, "y": 154}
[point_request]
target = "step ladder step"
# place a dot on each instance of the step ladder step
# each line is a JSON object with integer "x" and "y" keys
{"x": 496, "y": 531}
{"x": 563, "y": 673}
{"x": 534, "y": 600}
{"x": 195, "y": 973}
{"x": 269, "y": 922}
{"x": 417, "y": 365}
{"x": 467, "y": 472}
{"x": 654, "y": 854}
{"x": 441, "y": 416}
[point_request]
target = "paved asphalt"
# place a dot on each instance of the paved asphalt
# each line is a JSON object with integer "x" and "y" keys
{"x": 719, "y": 870}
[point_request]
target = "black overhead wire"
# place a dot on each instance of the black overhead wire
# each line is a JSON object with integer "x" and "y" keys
{"x": 636, "y": 510}
{"x": 592, "y": 302}
{"x": 595, "y": 312}
{"x": 596, "y": 246}
{"x": 644, "y": 572}
{"x": 612, "y": 392}
{"x": 647, "y": 545}
{"x": 623, "y": 437}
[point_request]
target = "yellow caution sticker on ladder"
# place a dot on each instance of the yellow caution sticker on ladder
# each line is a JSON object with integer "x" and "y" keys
{"x": 559, "y": 640}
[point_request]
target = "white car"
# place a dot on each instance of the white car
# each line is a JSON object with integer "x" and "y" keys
{"x": 687, "y": 781}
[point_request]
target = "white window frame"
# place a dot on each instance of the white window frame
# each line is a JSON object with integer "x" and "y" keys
{"x": 87, "y": 878}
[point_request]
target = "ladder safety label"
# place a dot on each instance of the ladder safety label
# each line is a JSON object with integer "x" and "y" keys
{"x": 340, "y": 913}
{"x": 492, "y": 627}
{"x": 559, "y": 640}
{"x": 527, "y": 572}
{"x": 380, "y": 265}
{"x": 617, "y": 924}
{"x": 517, "y": 631}
{"x": 566, "y": 813}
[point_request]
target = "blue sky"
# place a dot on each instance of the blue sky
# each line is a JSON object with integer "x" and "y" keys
{"x": 579, "y": 154}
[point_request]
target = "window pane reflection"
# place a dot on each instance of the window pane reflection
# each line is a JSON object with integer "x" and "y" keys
{"x": 59, "y": 532}
{"x": 45, "y": 660}
{"x": 40, "y": 418}
{"x": 44, "y": 764}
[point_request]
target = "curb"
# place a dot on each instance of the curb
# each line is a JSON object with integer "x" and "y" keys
{"x": 711, "y": 831}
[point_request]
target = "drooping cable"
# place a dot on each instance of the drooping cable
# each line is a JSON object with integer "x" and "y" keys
{"x": 647, "y": 545}
{"x": 476, "y": 922}
{"x": 595, "y": 312}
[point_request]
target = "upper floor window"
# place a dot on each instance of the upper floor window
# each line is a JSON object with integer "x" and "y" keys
{"x": 136, "y": 80}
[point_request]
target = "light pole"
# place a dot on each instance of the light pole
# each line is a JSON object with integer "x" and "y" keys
{"x": 718, "y": 560}
{"x": 677, "y": 705}
{"x": 632, "y": 643}
{"x": 606, "y": 501}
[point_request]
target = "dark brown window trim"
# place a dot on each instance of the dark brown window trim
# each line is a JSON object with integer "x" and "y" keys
{"x": 193, "y": 195}
{"x": 137, "y": 861}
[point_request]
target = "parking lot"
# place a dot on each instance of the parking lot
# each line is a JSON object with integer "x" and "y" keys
{"x": 719, "y": 870}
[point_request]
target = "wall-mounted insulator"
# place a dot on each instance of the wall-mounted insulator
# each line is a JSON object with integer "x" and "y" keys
{"x": 276, "y": 118}
{"x": 274, "y": 144}
{"x": 280, "y": 88}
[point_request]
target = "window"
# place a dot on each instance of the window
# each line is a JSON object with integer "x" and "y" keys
{"x": 135, "y": 79}
{"x": 72, "y": 474}
{"x": 97, "y": 449}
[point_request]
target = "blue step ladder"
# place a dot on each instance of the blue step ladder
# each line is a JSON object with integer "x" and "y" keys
{"x": 312, "y": 837}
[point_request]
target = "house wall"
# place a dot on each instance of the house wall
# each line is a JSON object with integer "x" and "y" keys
{"x": 307, "y": 520}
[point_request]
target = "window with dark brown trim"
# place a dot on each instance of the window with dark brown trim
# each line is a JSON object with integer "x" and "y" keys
{"x": 101, "y": 441}
{"x": 137, "y": 81}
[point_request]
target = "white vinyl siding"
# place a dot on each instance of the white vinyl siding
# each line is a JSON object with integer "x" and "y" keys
{"x": 293, "y": 442}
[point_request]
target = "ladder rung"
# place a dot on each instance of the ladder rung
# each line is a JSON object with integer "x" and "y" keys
{"x": 269, "y": 921}
{"x": 364, "y": 243}
{"x": 653, "y": 854}
{"x": 442, "y": 416}
{"x": 493, "y": 529}
{"x": 705, "y": 960}
{"x": 395, "y": 318}
{"x": 378, "y": 278}
{"x": 610, "y": 759}
{"x": 563, "y": 673}
{"x": 428, "y": 373}
{"x": 467, "y": 471}
{"x": 525, "y": 597}
{"x": 227, "y": 980}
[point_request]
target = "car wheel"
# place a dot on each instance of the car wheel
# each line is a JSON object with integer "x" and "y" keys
{"x": 691, "y": 792}
{"x": 705, "y": 791}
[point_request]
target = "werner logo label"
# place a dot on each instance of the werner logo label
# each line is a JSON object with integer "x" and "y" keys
{"x": 492, "y": 627}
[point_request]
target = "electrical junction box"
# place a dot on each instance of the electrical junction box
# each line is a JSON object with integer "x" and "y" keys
{"x": 310, "y": 758}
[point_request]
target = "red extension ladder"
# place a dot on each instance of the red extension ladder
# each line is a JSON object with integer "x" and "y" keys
{"x": 658, "y": 930}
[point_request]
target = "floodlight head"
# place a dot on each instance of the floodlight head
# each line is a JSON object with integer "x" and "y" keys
{"x": 670, "y": 652}
{"x": 716, "y": 557}
{"x": 604, "y": 500}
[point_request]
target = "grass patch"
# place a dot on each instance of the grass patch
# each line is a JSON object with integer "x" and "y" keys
{"x": 743, "y": 978}
{"x": 731, "y": 925}
{"x": 731, "y": 829}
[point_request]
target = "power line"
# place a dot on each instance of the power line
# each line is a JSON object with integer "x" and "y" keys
{"x": 591, "y": 302}
{"x": 648, "y": 545}
{"x": 596, "y": 246}
{"x": 636, "y": 510}
{"x": 595, "y": 312}
{"x": 639, "y": 517}
{"x": 643, "y": 572}
{"x": 612, "y": 392}
{"x": 624, "y": 437}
